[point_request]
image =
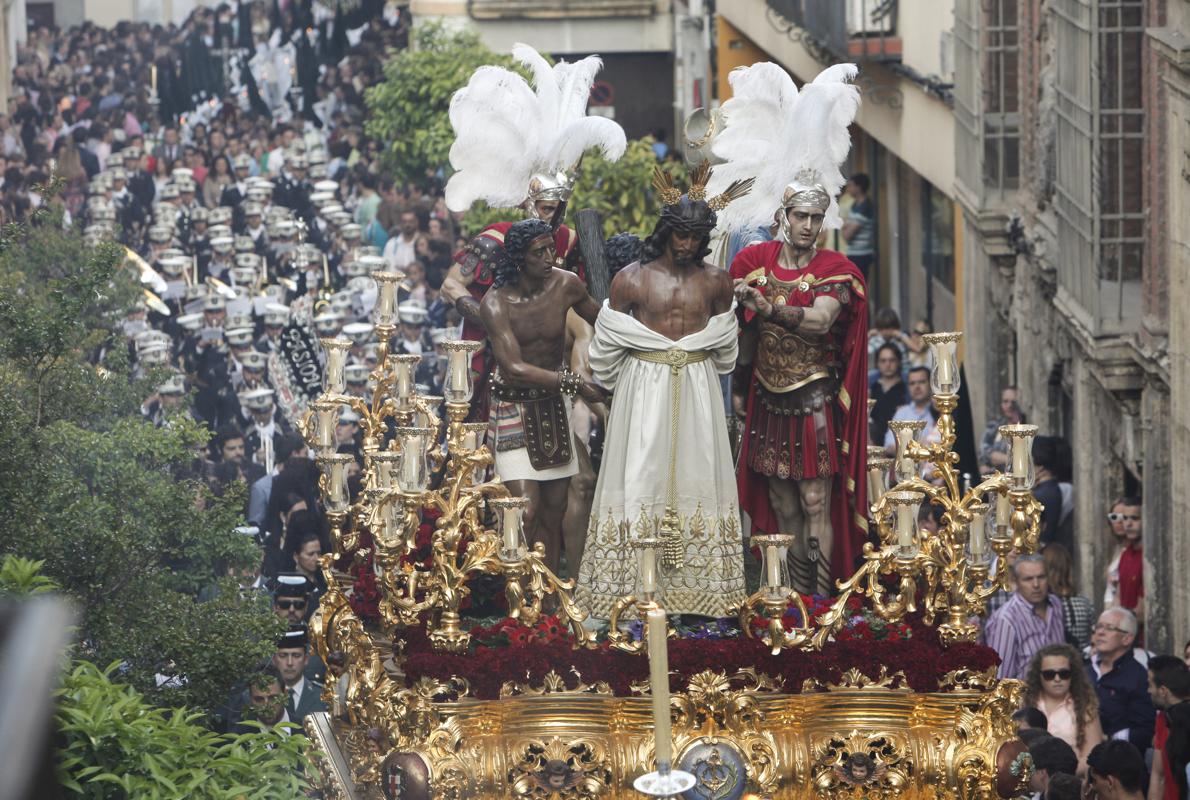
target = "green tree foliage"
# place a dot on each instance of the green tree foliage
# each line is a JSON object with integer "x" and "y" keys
{"x": 105, "y": 500}
{"x": 621, "y": 191}
{"x": 112, "y": 743}
{"x": 409, "y": 110}
{"x": 21, "y": 577}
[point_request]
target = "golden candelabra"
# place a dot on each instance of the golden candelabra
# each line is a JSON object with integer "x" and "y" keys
{"x": 949, "y": 568}
{"x": 402, "y": 451}
{"x": 478, "y": 530}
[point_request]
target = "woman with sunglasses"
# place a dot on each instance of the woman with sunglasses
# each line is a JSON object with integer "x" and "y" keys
{"x": 1057, "y": 685}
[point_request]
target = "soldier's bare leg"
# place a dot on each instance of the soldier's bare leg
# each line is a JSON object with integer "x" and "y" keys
{"x": 787, "y": 505}
{"x": 815, "y": 495}
{"x": 578, "y": 510}
{"x": 543, "y": 517}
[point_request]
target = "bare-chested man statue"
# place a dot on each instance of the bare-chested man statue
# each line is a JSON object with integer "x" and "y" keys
{"x": 525, "y": 316}
{"x": 661, "y": 341}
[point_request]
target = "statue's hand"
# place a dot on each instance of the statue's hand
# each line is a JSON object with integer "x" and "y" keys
{"x": 593, "y": 393}
{"x": 754, "y": 300}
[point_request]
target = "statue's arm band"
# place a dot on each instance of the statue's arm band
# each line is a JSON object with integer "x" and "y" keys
{"x": 788, "y": 316}
{"x": 468, "y": 308}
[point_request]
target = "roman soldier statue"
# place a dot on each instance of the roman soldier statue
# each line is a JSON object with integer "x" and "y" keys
{"x": 517, "y": 146}
{"x": 803, "y": 311}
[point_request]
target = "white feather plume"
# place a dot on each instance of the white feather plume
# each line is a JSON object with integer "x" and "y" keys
{"x": 506, "y": 131}
{"x": 772, "y": 132}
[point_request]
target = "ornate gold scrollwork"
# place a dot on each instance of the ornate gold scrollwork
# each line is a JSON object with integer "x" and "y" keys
{"x": 861, "y": 765}
{"x": 554, "y": 769}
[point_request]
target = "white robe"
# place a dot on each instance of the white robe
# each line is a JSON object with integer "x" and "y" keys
{"x": 633, "y": 482}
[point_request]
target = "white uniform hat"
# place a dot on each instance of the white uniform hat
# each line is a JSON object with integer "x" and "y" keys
{"x": 257, "y": 399}
{"x": 238, "y": 337}
{"x": 358, "y": 332}
{"x": 412, "y": 312}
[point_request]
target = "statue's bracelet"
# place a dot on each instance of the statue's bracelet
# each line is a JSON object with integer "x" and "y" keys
{"x": 569, "y": 382}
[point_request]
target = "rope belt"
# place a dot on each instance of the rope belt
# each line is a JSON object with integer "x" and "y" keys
{"x": 673, "y": 552}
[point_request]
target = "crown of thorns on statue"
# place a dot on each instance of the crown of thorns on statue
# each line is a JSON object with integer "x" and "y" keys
{"x": 672, "y": 196}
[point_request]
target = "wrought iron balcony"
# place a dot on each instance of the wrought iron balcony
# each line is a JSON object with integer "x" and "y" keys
{"x": 848, "y": 30}
{"x": 559, "y": 9}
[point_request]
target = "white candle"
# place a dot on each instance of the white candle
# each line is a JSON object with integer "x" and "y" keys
{"x": 1021, "y": 445}
{"x": 659, "y": 684}
{"x": 413, "y": 459}
{"x": 382, "y": 465}
{"x": 648, "y": 570}
{"x": 403, "y": 367}
{"x": 877, "y": 480}
{"x": 512, "y": 529}
{"x": 153, "y": 77}
{"x": 905, "y": 525}
{"x": 457, "y": 388}
{"x": 337, "y": 483}
{"x": 327, "y": 413}
{"x": 267, "y": 445}
{"x": 976, "y": 541}
{"x": 336, "y": 360}
{"x": 943, "y": 367}
{"x": 773, "y": 563}
{"x": 1003, "y": 511}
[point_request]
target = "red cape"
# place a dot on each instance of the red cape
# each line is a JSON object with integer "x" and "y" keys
{"x": 849, "y": 491}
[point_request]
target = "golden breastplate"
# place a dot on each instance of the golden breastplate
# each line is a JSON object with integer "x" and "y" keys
{"x": 786, "y": 360}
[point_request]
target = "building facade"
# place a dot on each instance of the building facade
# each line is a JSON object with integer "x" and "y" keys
{"x": 650, "y": 48}
{"x": 1072, "y": 146}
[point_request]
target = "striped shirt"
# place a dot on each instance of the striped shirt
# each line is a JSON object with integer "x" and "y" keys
{"x": 1016, "y": 633}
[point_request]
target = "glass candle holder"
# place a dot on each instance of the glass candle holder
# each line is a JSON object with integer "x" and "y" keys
{"x": 905, "y": 431}
{"x": 977, "y": 533}
{"x": 878, "y": 468}
{"x": 648, "y": 582}
{"x": 384, "y": 466}
{"x": 414, "y": 473}
{"x": 336, "y": 360}
{"x": 511, "y": 512}
{"x": 1002, "y": 524}
{"x": 944, "y": 377}
{"x": 905, "y": 507}
{"x": 1021, "y": 437}
{"x": 429, "y": 417}
{"x": 459, "y": 384}
{"x": 326, "y": 418}
{"x": 334, "y": 469}
{"x": 404, "y": 367}
{"x": 385, "y": 311}
{"x": 774, "y": 567}
{"x": 473, "y": 438}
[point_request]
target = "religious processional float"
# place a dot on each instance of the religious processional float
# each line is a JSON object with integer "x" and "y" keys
{"x": 879, "y": 691}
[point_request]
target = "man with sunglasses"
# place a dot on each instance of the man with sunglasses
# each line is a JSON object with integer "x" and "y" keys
{"x": 291, "y": 598}
{"x": 291, "y": 602}
{"x": 1121, "y": 682}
